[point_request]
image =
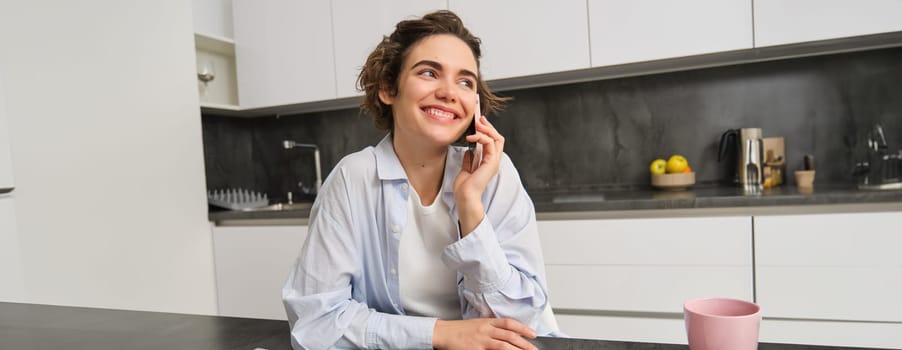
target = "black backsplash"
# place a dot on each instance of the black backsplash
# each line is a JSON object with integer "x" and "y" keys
{"x": 605, "y": 133}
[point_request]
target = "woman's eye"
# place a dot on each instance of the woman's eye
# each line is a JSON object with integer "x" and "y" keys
{"x": 428, "y": 73}
{"x": 468, "y": 83}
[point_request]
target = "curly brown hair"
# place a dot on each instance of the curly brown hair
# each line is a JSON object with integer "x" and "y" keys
{"x": 383, "y": 66}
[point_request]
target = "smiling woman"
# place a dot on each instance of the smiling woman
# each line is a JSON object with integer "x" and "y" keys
{"x": 407, "y": 248}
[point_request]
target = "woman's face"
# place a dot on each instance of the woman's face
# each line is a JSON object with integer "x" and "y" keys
{"x": 436, "y": 92}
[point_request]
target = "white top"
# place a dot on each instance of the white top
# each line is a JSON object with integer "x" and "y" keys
{"x": 428, "y": 286}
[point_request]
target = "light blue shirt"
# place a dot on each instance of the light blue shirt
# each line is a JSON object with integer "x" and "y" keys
{"x": 344, "y": 291}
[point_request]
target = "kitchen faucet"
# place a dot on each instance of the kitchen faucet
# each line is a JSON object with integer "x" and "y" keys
{"x": 881, "y": 170}
{"x": 288, "y": 144}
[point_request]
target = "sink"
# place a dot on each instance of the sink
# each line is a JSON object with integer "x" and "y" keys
{"x": 283, "y": 206}
{"x": 883, "y": 186}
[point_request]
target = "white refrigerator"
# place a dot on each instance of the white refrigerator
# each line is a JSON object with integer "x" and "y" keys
{"x": 12, "y": 286}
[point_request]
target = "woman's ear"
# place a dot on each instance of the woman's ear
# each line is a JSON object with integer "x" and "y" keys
{"x": 386, "y": 97}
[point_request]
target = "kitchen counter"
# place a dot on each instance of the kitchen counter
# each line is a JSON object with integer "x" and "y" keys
{"x": 699, "y": 200}
{"x": 32, "y": 326}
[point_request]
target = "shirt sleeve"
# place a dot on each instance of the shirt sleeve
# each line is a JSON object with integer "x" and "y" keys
{"x": 321, "y": 309}
{"x": 501, "y": 260}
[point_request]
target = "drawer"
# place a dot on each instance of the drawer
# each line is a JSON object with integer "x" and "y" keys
{"x": 843, "y": 267}
{"x": 649, "y": 288}
{"x": 665, "y": 241}
{"x": 646, "y": 265}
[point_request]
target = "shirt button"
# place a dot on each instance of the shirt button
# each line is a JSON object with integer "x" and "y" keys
{"x": 393, "y": 271}
{"x": 395, "y": 229}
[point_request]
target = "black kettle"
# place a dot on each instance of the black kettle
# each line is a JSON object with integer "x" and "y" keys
{"x": 729, "y": 151}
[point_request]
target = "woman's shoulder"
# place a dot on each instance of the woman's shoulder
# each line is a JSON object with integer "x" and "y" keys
{"x": 507, "y": 169}
{"x": 362, "y": 162}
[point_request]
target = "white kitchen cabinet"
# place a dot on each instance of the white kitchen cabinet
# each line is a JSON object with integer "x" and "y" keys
{"x": 252, "y": 264}
{"x": 283, "y": 51}
{"x": 780, "y": 22}
{"x": 213, "y": 18}
{"x": 830, "y": 278}
{"x": 13, "y": 289}
{"x": 627, "y": 279}
{"x": 109, "y": 198}
{"x": 360, "y": 26}
{"x": 6, "y": 161}
{"x": 215, "y": 53}
{"x": 10, "y": 262}
{"x": 635, "y": 31}
{"x": 521, "y": 38}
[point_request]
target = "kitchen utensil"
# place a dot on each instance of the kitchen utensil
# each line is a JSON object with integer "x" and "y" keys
{"x": 804, "y": 178}
{"x": 721, "y": 323}
{"x": 237, "y": 199}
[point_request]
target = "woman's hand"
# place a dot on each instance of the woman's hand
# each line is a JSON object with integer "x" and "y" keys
{"x": 471, "y": 183}
{"x": 482, "y": 333}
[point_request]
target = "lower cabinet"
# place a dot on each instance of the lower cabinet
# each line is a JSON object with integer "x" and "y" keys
{"x": 824, "y": 279}
{"x": 252, "y": 264}
{"x": 830, "y": 279}
{"x": 627, "y": 279}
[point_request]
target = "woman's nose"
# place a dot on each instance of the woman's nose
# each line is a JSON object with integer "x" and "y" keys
{"x": 445, "y": 91}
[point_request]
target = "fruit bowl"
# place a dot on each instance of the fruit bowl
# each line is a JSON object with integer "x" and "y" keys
{"x": 673, "y": 182}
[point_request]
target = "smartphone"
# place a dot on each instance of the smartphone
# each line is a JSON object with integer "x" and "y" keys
{"x": 474, "y": 147}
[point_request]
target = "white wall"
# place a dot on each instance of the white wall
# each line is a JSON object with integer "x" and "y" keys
{"x": 101, "y": 97}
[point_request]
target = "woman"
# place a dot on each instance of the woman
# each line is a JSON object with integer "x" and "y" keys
{"x": 407, "y": 246}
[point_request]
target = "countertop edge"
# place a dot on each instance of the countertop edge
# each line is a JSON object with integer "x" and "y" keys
{"x": 723, "y": 211}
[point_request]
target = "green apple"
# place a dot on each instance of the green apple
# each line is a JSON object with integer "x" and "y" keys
{"x": 658, "y": 167}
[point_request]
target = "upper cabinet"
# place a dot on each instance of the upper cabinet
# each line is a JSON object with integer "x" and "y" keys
{"x": 290, "y": 52}
{"x": 783, "y": 22}
{"x": 359, "y": 27}
{"x": 215, "y": 53}
{"x": 527, "y": 37}
{"x": 283, "y": 51}
{"x": 635, "y": 31}
{"x": 213, "y": 18}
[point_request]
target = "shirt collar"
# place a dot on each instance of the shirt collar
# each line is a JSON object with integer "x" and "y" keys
{"x": 388, "y": 166}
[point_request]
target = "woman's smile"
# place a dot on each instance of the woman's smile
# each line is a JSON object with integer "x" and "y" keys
{"x": 441, "y": 114}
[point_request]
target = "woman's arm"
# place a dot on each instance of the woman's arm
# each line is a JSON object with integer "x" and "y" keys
{"x": 498, "y": 254}
{"x": 501, "y": 259}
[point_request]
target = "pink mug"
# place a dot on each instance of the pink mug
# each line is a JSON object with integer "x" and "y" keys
{"x": 722, "y": 323}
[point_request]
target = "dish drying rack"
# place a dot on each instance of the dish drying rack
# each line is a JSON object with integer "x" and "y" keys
{"x": 237, "y": 199}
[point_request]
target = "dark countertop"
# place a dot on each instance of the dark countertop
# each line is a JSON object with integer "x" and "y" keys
{"x": 704, "y": 196}
{"x": 644, "y": 198}
{"x": 31, "y": 327}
